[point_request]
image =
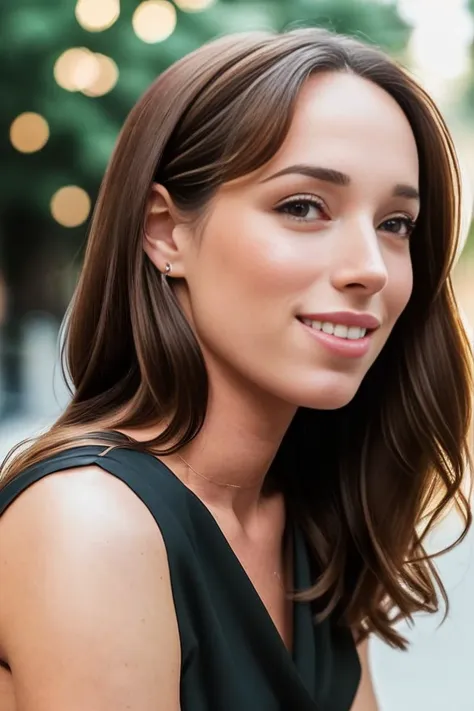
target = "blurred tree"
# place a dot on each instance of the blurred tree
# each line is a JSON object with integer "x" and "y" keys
{"x": 469, "y": 108}
{"x": 470, "y": 92}
{"x": 34, "y": 33}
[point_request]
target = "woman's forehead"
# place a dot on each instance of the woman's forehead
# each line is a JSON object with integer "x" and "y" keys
{"x": 349, "y": 125}
{"x": 345, "y": 122}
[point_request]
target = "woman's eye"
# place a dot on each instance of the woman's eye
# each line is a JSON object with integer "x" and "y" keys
{"x": 301, "y": 208}
{"x": 401, "y": 226}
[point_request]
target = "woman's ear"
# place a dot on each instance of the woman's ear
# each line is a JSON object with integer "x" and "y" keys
{"x": 161, "y": 234}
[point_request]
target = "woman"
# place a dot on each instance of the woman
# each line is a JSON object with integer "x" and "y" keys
{"x": 270, "y": 395}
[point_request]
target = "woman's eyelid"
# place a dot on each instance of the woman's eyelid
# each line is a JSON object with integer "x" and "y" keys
{"x": 405, "y": 211}
{"x": 319, "y": 202}
{"x": 313, "y": 197}
{"x": 303, "y": 197}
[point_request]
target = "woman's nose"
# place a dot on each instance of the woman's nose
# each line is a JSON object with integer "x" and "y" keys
{"x": 358, "y": 260}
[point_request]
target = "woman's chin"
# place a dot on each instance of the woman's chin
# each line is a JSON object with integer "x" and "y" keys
{"x": 329, "y": 393}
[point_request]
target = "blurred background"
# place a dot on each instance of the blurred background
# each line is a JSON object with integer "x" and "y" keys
{"x": 70, "y": 73}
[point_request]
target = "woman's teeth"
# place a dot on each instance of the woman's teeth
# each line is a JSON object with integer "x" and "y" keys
{"x": 353, "y": 333}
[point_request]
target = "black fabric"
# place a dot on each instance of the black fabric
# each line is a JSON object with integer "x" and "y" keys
{"x": 233, "y": 658}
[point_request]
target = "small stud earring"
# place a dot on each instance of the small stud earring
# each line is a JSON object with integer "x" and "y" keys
{"x": 168, "y": 269}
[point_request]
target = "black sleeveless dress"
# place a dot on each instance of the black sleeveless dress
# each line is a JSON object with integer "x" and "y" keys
{"x": 233, "y": 658}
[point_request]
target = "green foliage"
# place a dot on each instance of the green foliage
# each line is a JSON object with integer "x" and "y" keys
{"x": 468, "y": 251}
{"x": 34, "y": 33}
{"x": 468, "y": 100}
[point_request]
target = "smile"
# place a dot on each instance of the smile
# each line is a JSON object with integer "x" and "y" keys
{"x": 339, "y": 330}
{"x": 346, "y": 340}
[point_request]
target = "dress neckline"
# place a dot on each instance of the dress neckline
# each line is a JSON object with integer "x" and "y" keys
{"x": 301, "y": 658}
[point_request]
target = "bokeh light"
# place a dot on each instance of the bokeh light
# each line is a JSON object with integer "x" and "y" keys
{"x": 194, "y": 5}
{"x": 29, "y": 132}
{"x": 70, "y": 206}
{"x": 76, "y": 69}
{"x": 106, "y": 79}
{"x": 154, "y": 20}
{"x": 97, "y": 15}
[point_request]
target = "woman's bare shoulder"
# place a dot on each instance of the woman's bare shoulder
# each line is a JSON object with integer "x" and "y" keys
{"x": 87, "y": 618}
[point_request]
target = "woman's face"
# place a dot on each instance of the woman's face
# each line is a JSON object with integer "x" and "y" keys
{"x": 302, "y": 268}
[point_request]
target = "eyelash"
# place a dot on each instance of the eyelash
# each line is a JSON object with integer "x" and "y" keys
{"x": 300, "y": 200}
{"x": 409, "y": 222}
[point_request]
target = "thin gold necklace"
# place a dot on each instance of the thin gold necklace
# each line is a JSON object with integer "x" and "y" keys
{"x": 212, "y": 481}
{"x": 276, "y": 574}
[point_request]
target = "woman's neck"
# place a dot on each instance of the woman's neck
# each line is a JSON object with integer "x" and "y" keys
{"x": 227, "y": 462}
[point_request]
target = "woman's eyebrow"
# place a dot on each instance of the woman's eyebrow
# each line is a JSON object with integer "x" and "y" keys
{"x": 313, "y": 171}
{"x": 337, "y": 178}
{"x": 406, "y": 191}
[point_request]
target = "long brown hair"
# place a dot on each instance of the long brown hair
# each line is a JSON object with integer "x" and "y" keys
{"x": 391, "y": 462}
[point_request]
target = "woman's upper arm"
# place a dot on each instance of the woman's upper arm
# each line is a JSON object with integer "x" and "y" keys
{"x": 87, "y": 619}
